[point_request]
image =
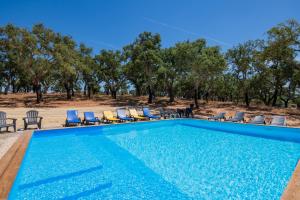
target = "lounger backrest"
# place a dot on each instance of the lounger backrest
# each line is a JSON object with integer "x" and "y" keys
{"x": 161, "y": 111}
{"x": 239, "y": 115}
{"x": 108, "y": 114}
{"x": 89, "y": 115}
{"x": 221, "y": 115}
{"x": 146, "y": 111}
{"x": 121, "y": 113}
{"x": 133, "y": 112}
{"x": 259, "y": 118}
{"x": 32, "y": 116}
{"x": 2, "y": 118}
{"x": 72, "y": 114}
{"x": 278, "y": 121}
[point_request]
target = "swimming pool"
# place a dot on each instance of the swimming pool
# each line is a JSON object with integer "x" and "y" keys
{"x": 170, "y": 159}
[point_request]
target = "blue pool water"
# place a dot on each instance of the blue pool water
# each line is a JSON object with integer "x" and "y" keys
{"x": 176, "y": 159}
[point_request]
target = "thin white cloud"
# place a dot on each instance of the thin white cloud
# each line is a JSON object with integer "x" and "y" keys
{"x": 186, "y": 31}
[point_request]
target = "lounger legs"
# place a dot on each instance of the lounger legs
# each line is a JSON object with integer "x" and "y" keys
{"x": 7, "y": 128}
{"x": 40, "y": 124}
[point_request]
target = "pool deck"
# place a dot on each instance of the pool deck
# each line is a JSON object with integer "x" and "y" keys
{"x": 11, "y": 162}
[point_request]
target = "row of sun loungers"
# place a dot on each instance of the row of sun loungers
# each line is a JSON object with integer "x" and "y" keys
{"x": 32, "y": 117}
{"x": 108, "y": 116}
{"x": 260, "y": 119}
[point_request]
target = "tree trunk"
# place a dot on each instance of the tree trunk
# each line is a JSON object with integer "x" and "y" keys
{"x": 89, "y": 91}
{"x": 69, "y": 95}
{"x": 17, "y": 89}
{"x": 268, "y": 102}
{"x": 171, "y": 94}
{"x": 206, "y": 97}
{"x": 137, "y": 90}
{"x": 247, "y": 99}
{"x": 106, "y": 91}
{"x": 6, "y": 89}
{"x": 286, "y": 103}
{"x": 94, "y": 90}
{"x": 68, "y": 90}
{"x": 13, "y": 85}
{"x": 84, "y": 89}
{"x": 39, "y": 94}
{"x": 113, "y": 94}
{"x": 150, "y": 95}
{"x": 275, "y": 97}
{"x": 196, "y": 98}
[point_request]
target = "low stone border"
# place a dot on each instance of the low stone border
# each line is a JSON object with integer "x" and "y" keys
{"x": 292, "y": 191}
{"x": 11, "y": 162}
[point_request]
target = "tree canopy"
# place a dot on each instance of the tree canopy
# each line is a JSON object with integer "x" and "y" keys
{"x": 265, "y": 70}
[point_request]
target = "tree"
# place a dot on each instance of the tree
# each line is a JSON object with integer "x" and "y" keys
{"x": 279, "y": 56}
{"x": 176, "y": 61}
{"x": 225, "y": 87}
{"x": 143, "y": 57}
{"x": 208, "y": 64}
{"x": 242, "y": 60}
{"x": 2, "y": 72}
{"x": 10, "y": 55}
{"x": 111, "y": 70}
{"x": 87, "y": 68}
{"x": 39, "y": 57}
{"x": 134, "y": 74}
{"x": 66, "y": 64}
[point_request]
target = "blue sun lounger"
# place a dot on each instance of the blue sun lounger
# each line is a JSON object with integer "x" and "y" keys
{"x": 148, "y": 114}
{"x": 89, "y": 118}
{"x": 72, "y": 118}
{"x": 121, "y": 114}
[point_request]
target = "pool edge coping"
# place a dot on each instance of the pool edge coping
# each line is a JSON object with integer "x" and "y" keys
{"x": 171, "y": 119}
{"x": 292, "y": 190}
{"x": 11, "y": 162}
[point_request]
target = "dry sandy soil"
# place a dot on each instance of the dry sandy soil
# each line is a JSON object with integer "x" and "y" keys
{"x": 53, "y": 109}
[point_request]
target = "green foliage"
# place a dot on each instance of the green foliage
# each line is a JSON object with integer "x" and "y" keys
{"x": 242, "y": 62}
{"x": 278, "y": 58}
{"x": 87, "y": 68}
{"x": 110, "y": 70}
{"x": 174, "y": 68}
{"x": 143, "y": 60}
{"x": 11, "y": 55}
{"x": 41, "y": 60}
{"x": 208, "y": 64}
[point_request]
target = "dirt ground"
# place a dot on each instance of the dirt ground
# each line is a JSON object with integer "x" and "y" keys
{"x": 53, "y": 109}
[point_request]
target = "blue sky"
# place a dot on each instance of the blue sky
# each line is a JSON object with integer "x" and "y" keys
{"x": 111, "y": 24}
